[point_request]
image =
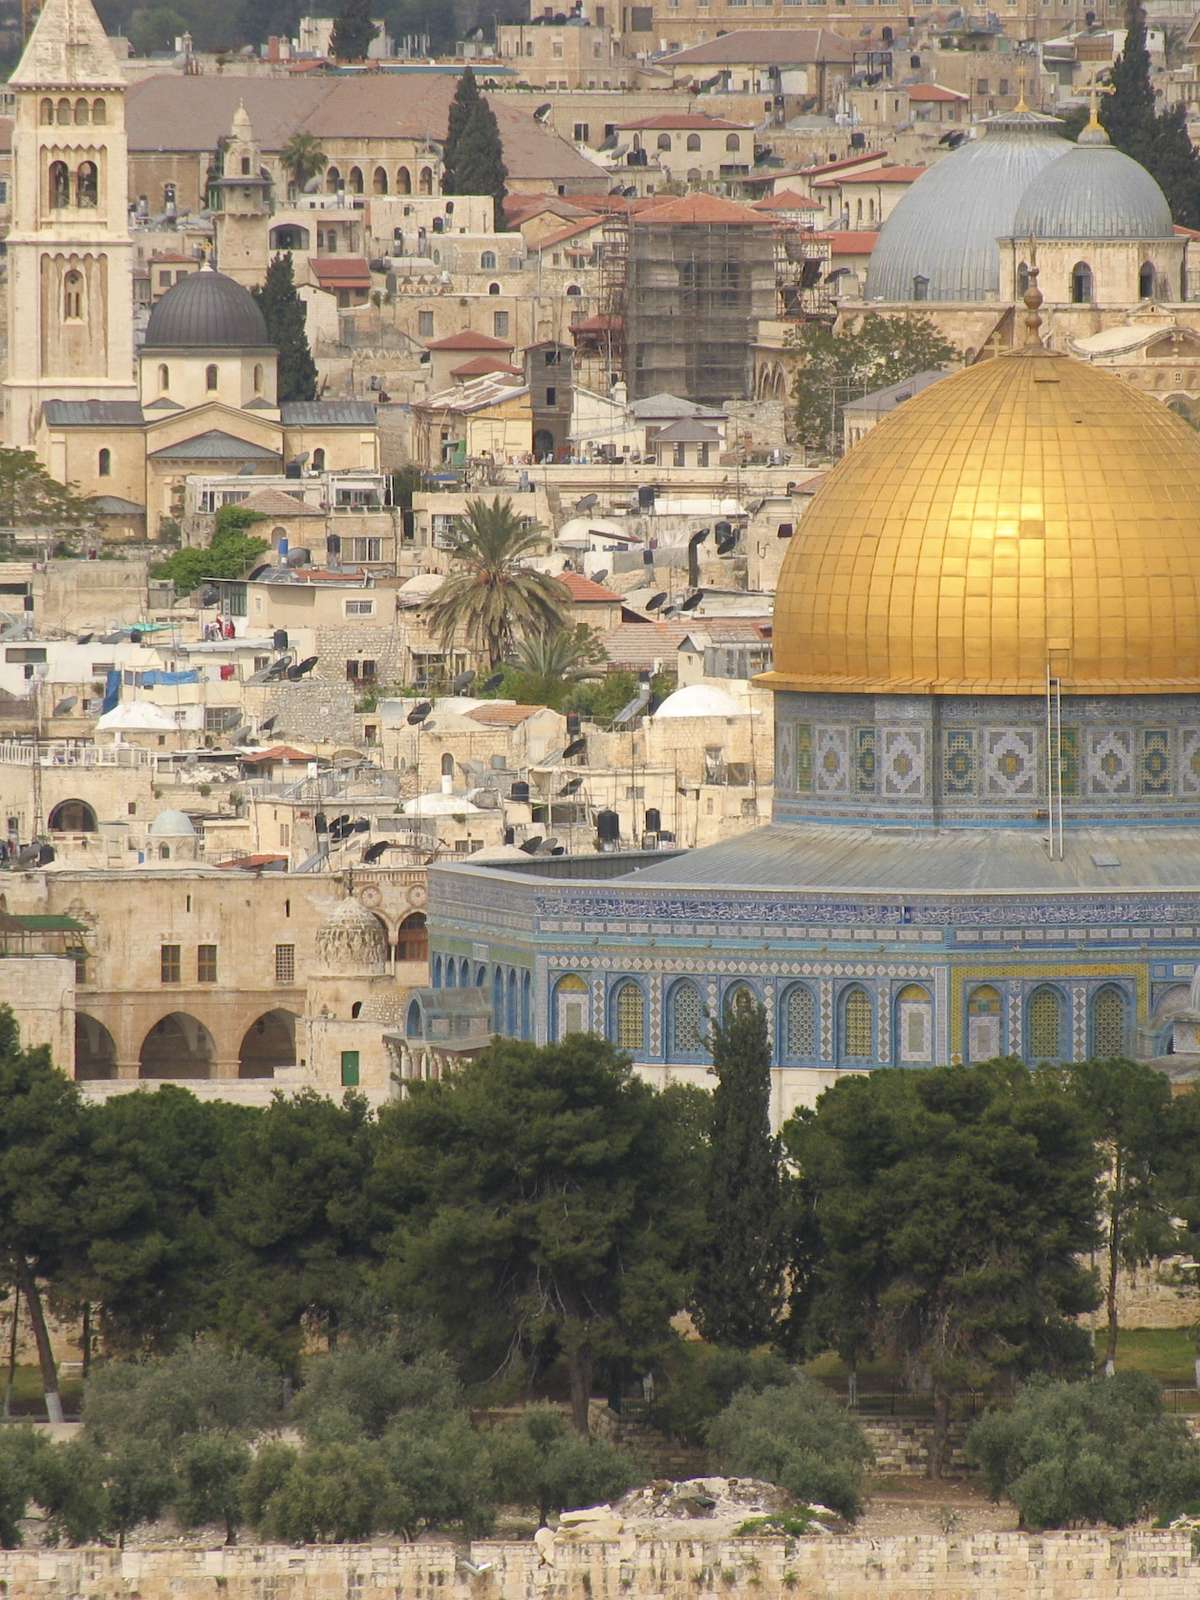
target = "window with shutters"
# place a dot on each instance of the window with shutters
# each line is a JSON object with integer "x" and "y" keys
{"x": 285, "y": 963}
{"x": 169, "y": 964}
{"x": 206, "y": 963}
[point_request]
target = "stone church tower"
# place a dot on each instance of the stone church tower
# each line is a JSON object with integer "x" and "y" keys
{"x": 241, "y": 199}
{"x": 70, "y": 300}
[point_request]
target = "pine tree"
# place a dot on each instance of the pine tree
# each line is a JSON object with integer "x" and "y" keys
{"x": 283, "y": 311}
{"x": 479, "y": 160}
{"x": 740, "y": 1282}
{"x": 353, "y": 31}
{"x": 1158, "y": 140}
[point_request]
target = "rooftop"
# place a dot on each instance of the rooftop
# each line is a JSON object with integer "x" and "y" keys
{"x": 585, "y": 591}
{"x": 775, "y": 47}
{"x": 683, "y": 121}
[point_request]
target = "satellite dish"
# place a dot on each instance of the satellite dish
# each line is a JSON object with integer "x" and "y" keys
{"x": 575, "y": 748}
{"x": 494, "y": 682}
{"x": 586, "y": 502}
{"x": 362, "y": 825}
{"x": 572, "y": 786}
{"x": 374, "y": 851}
{"x": 548, "y": 847}
{"x": 463, "y": 682}
{"x": 420, "y": 712}
{"x": 64, "y": 706}
{"x": 306, "y": 666}
{"x": 540, "y": 113}
{"x": 692, "y": 601}
{"x": 654, "y": 602}
{"x": 599, "y": 577}
{"x": 531, "y": 846}
{"x": 266, "y": 724}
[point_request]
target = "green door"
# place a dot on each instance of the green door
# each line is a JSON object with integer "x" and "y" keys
{"x": 349, "y": 1069}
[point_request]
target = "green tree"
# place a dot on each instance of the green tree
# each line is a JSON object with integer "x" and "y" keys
{"x": 740, "y": 1281}
{"x": 541, "y": 1461}
{"x": 231, "y": 553}
{"x": 211, "y": 1471}
{"x": 338, "y": 1492}
{"x": 795, "y": 1435}
{"x": 836, "y": 367}
{"x": 602, "y": 698}
{"x": 699, "y": 1380}
{"x": 69, "y": 1485}
{"x": 439, "y": 1475}
{"x": 200, "y": 1389}
{"x": 475, "y": 162}
{"x": 296, "y": 1218}
{"x": 353, "y": 31}
{"x": 20, "y": 1450}
{"x": 1157, "y": 139}
{"x": 284, "y": 313}
{"x": 303, "y": 159}
{"x": 153, "y": 28}
{"x": 139, "y": 1484}
{"x": 43, "y": 1164}
{"x": 492, "y": 595}
{"x": 543, "y": 1209}
{"x": 1099, "y": 1451}
{"x": 953, "y": 1206}
{"x": 358, "y": 1390}
{"x": 547, "y": 667}
{"x": 466, "y": 98}
{"x": 1128, "y": 1106}
{"x": 32, "y": 502}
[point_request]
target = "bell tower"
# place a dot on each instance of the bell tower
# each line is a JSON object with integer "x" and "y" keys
{"x": 242, "y": 202}
{"x": 70, "y": 285}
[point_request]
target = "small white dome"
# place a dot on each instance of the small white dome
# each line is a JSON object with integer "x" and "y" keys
{"x": 701, "y": 700}
{"x": 172, "y": 825}
{"x": 439, "y": 805}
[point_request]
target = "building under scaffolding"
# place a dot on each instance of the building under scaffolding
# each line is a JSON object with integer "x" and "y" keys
{"x": 687, "y": 286}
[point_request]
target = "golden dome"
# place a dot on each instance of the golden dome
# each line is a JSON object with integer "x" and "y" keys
{"x": 1027, "y": 509}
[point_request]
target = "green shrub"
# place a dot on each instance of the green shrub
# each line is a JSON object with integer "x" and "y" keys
{"x": 700, "y": 1380}
{"x": 1103, "y": 1450}
{"x": 20, "y": 1449}
{"x": 540, "y": 1460}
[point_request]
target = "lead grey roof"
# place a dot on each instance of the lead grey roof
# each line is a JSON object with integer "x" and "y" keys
{"x": 206, "y": 311}
{"x": 327, "y": 413}
{"x": 1095, "y": 192}
{"x": 796, "y": 857}
{"x": 881, "y": 401}
{"x": 945, "y": 228}
{"x": 687, "y": 431}
{"x": 214, "y": 446}
{"x": 93, "y": 413}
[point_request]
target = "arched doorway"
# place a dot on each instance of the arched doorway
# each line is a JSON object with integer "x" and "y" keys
{"x": 267, "y": 1045}
{"x": 95, "y": 1051}
{"x": 543, "y": 445}
{"x": 72, "y": 816}
{"x": 177, "y": 1046}
{"x": 412, "y": 938}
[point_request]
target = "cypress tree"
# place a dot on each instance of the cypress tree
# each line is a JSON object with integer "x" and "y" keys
{"x": 479, "y": 160}
{"x": 466, "y": 98}
{"x": 353, "y": 31}
{"x": 1157, "y": 139}
{"x": 740, "y": 1280}
{"x": 283, "y": 312}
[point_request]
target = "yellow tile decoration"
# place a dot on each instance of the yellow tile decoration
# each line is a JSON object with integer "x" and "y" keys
{"x": 993, "y": 515}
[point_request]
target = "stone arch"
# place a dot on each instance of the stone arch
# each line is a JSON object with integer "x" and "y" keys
{"x": 403, "y": 180}
{"x": 1146, "y": 281}
{"x": 693, "y": 141}
{"x": 740, "y": 989}
{"x": 87, "y": 185}
{"x": 1081, "y": 284}
{"x": 425, "y": 181}
{"x": 412, "y": 938}
{"x": 104, "y": 462}
{"x": 912, "y": 1028}
{"x": 570, "y": 1005}
{"x": 72, "y": 816}
{"x": 268, "y": 1044}
{"x": 733, "y": 143}
{"x": 63, "y": 115}
{"x": 1045, "y": 1024}
{"x": 379, "y": 181}
{"x": 663, "y": 142}
{"x": 985, "y": 1015}
{"x": 354, "y": 180}
{"x": 333, "y": 180}
{"x": 797, "y": 1032}
{"x": 99, "y": 113}
{"x": 414, "y": 1022}
{"x": 60, "y": 185}
{"x": 627, "y": 1025}
{"x": 81, "y": 113}
{"x": 211, "y": 377}
{"x": 164, "y": 376}
{"x": 686, "y": 1023}
{"x": 543, "y": 444}
{"x": 856, "y": 1025}
{"x": 177, "y": 1046}
{"x": 73, "y": 296}
{"x": 46, "y": 111}
{"x": 95, "y": 1049}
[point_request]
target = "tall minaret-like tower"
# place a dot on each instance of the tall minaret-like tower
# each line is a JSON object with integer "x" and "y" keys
{"x": 70, "y": 282}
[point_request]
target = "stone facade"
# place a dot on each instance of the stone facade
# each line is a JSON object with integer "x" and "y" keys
{"x": 1094, "y": 1565}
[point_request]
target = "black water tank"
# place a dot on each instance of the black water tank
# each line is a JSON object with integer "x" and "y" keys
{"x": 653, "y": 820}
{"x": 520, "y": 792}
{"x": 608, "y": 827}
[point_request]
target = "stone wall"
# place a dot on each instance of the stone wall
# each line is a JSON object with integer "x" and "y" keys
{"x": 1095, "y": 1565}
{"x": 901, "y": 1446}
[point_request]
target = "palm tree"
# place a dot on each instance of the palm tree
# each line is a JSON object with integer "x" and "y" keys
{"x": 550, "y": 664}
{"x": 491, "y": 595}
{"x": 303, "y": 159}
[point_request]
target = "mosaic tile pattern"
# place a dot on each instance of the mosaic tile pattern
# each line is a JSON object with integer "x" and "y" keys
{"x": 864, "y": 761}
{"x": 1154, "y": 770}
{"x": 1110, "y": 762}
{"x": 1068, "y": 762}
{"x": 904, "y": 762}
{"x": 832, "y": 767}
{"x": 1011, "y": 762}
{"x": 959, "y": 771}
{"x": 804, "y": 757}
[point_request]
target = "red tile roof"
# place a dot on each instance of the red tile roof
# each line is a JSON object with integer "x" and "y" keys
{"x": 585, "y": 591}
{"x": 849, "y": 243}
{"x": 277, "y": 752}
{"x": 841, "y": 166}
{"x": 341, "y": 272}
{"x": 873, "y": 175}
{"x": 782, "y": 47}
{"x": 786, "y": 200}
{"x": 467, "y": 339}
{"x": 480, "y": 366}
{"x": 700, "y": 209}
{"x": 250, "y": 863}
{"x": 503, "y": 716}
{"x": 689, "y": 121}
{"x": 569, "y": 231}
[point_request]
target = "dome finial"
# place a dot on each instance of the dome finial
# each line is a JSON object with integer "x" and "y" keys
{"x": 1092, "y": 93}
{"x": 1033, "y": 303}
{"x": 1021, "y": 105}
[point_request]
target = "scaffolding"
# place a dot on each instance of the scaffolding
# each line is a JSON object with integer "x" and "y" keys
{"x": 803, "y": 276}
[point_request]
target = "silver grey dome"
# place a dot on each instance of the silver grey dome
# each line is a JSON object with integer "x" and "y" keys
{"x": 946, "y": 227}
{"x": 206, "y": 311}
{"x": 1094, "y": 192}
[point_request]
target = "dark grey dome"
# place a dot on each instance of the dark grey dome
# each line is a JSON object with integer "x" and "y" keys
{"x": 1094, "y": 192}
{"x": 206, "y": 311}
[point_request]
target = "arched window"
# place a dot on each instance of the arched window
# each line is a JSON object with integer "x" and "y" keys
{"x": 168, "y": 195}
{"x": 984, "y": 1012}
{"x": 732, "y": 142}
{"x": 403, "y": 181}
{"x": 164, "y": 852}
{"x": 487, "y": 261}
{"x": 413, "y": 1026}
{"x": 99, "y": 112}
{"x": 46, "y": 112}
{"x": 914, "y": 1024}
{"x": 573, "y": 289}
{"x": 87, "y": 184}
{"x": 570, "y": 1006}
{"x": 318, "y": 459}
{"x": 435, "y": 974}
{"x": 1108, "y": 1030}
{"x": 1146, "y": 281}
{"x": 60, "y": 185}
{"x": 73, "y": 297}
{"x": 412, "y": 938}
{"x": 447, "y": 765}
{"x": 663, "y": 141}
{"x": 857, "y": 1034}
{"x": 464, "y": 973}
{"x": 356, "y": 1010}
{"x": 493, "y": 288}
{"x": 379, "y": 183}
{"x": 1022, "y": 277}
{"x": 736, "y": 996}
{"x": 451, "y": 973}
{"x": 685, "y": 1022}
{"x": 64, "y": 113}
{"x": 81, "y": 113}
{"x": 920, "y": 288}
{"x": 527, "y": 1006}
{"x": 258, "y": 377}
{"x": 511, "y": 1004}
{"x": 354, "y": 181}
{"x": 333, "y": 180}
{"x": 693, "y": 141}
{"x": 1045, "y": 1025}
{"x": 799, "y": 1024}
{"x": 104, "y": 463}
{"x": 1081, "y": 284}
{"x": 425, "y": 181}
{"x": 210, "y": 376}
{"x": 164, "y": 377}
{"x": 629, "y": 1016}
